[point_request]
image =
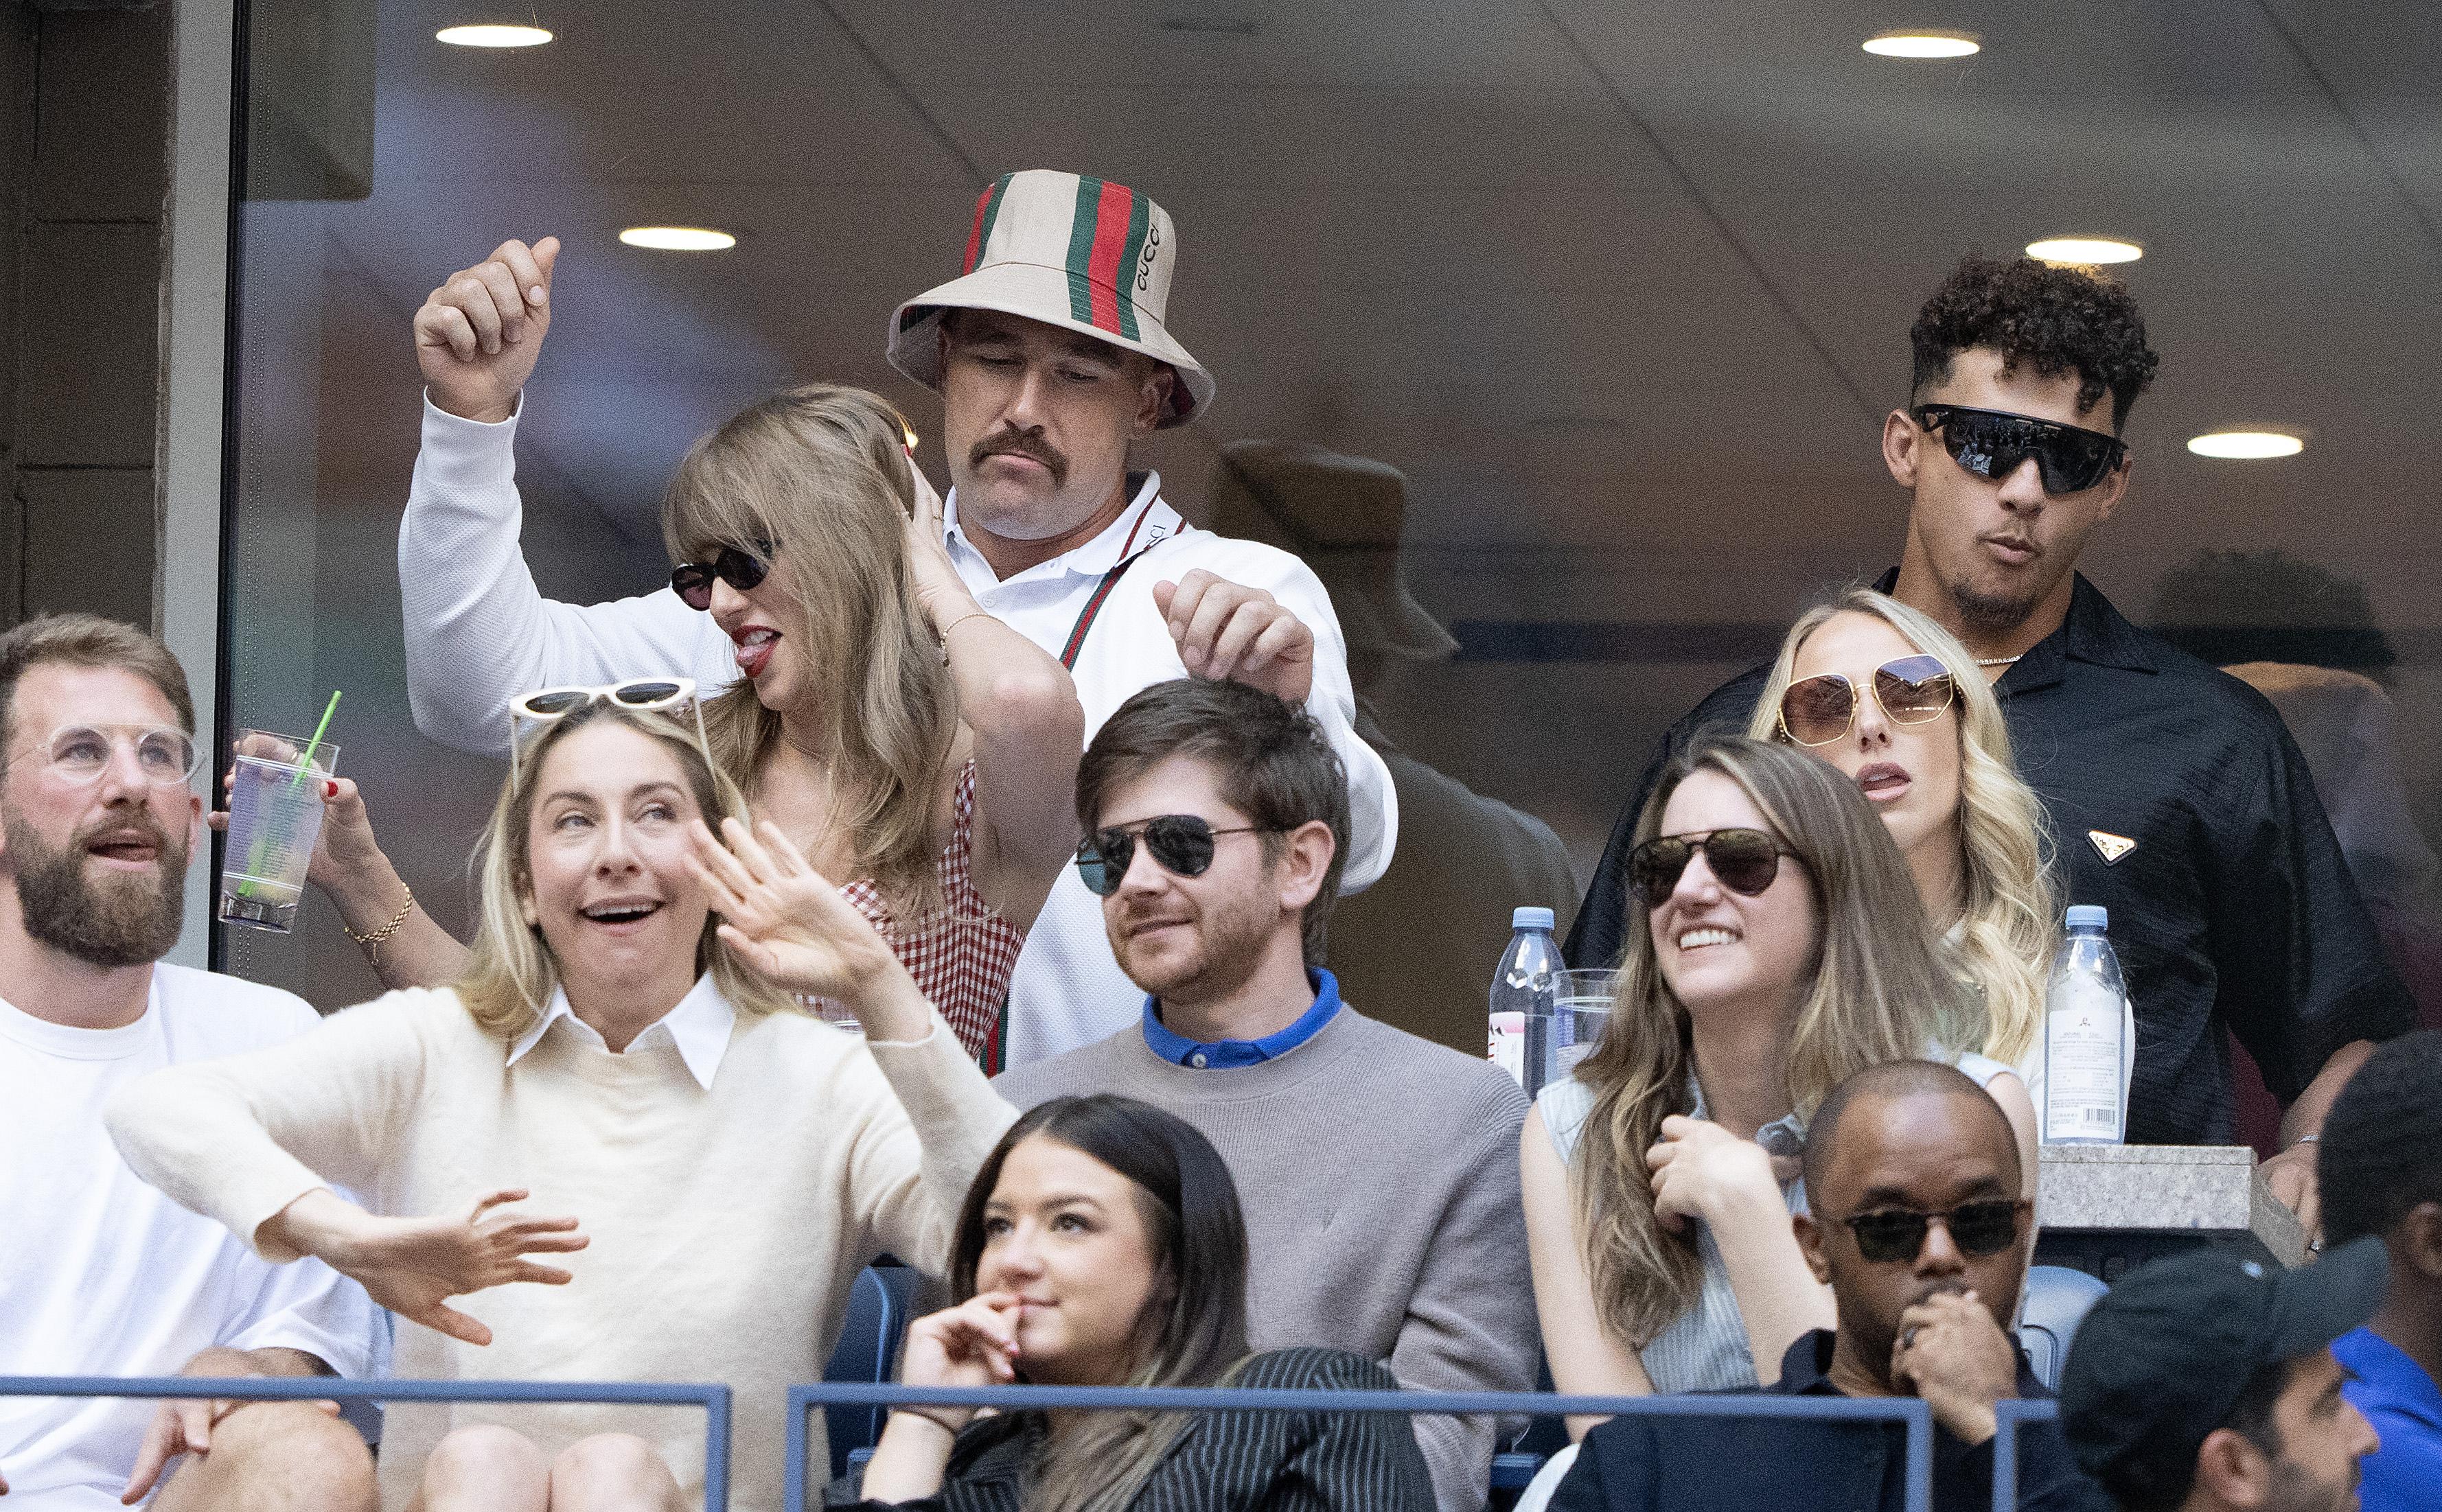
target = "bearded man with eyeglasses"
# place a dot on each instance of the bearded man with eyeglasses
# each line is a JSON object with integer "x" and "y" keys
{"x": 101, "y": 1275}
{"x": 1920, "y": 1221}
{"x": 2176, "y": 798}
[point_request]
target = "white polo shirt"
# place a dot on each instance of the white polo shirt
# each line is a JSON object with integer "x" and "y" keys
{"x": 480, "y": 632}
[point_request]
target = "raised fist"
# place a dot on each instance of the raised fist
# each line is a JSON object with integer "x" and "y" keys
{"x": 477, "y": 335}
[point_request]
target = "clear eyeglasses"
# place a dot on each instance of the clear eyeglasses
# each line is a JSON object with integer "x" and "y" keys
{"x": 167, "y": 756}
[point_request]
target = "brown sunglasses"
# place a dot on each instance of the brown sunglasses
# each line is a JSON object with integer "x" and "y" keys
{"x": 1911, "y": 690}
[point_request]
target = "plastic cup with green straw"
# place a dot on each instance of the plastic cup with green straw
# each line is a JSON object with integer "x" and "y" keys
{"x": 258, "y": 852}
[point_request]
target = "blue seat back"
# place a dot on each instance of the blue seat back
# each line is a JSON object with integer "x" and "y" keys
{"x": 878, "y": 1312}
{"x": 2055, "y": 1302}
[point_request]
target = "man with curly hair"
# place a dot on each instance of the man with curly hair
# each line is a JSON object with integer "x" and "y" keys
{"x": 2176, "y": 798}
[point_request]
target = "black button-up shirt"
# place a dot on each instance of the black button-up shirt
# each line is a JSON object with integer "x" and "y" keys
{"x": 2234, "y": 906}
{"x": 1735, "y": 1464}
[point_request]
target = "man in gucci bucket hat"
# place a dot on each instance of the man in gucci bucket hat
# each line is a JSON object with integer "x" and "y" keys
{"x": 1051, "y": 354}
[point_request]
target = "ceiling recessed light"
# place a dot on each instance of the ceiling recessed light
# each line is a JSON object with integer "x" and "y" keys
{"x": 493, "y": 36}
{"x": 1924, "y": 44}
{"x": 678, "y": 238}
{"x": 2246, "y": 444}
{"x": 2085, "y": 250}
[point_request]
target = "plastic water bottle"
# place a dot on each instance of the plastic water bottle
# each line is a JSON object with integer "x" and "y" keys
{"x": 1523, "y": 995}
{"x": 2089, "y": 1027}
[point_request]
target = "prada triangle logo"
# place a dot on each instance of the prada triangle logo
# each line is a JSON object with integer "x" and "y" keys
{"x": 2111, "y": 846}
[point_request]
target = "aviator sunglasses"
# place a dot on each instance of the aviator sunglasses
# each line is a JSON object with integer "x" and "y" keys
{"x": 741, "y": 570}
{"x": 639, "y": 693}
{"x": 1745, "y": 860}
{"x": 1978, "y": 1228}
{"x": 1181, "y": 842}
{"x": 1992, "y": 444}
{"x": 1911, "y": 689}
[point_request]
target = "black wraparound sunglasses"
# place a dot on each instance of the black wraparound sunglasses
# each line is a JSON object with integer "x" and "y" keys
{"x": 1745, "y": 860}
{"x": 1896, "y": 1234}
{"x": 1993, "y": 443}
{"x": 1181, "y": 842}
{"x": 741, "y": 570}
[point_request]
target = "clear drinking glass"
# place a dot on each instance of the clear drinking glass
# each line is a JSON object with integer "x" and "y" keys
{"x": 275, "y": 811}
{"x": 1584, "y": 1006}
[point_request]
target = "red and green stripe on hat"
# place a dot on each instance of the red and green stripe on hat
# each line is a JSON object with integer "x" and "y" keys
{"x": 1108, "y": 227}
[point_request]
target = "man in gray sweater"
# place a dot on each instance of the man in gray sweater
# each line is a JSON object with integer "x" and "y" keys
{"x": 1379, "y": 1171}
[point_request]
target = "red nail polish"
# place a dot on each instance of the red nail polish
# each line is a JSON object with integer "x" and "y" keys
{"x": 330, "y": 789}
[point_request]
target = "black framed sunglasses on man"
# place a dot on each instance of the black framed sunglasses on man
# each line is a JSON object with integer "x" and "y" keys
{"x": 1182, "y": 843}
{"x": 1994, "y": 444}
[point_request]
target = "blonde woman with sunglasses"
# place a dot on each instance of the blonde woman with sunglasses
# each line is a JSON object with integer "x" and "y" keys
{"x": 1776, "y": 946}
{"x": 1889, "y": 697}
{"x": 908, "y": 742}
{"x": 613, "y": 1150}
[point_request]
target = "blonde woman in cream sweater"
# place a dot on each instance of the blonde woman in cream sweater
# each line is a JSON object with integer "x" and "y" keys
{"x": 619, "y": 1085}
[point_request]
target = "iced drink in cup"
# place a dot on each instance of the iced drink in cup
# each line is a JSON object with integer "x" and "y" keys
{"x": 275, "y": 811}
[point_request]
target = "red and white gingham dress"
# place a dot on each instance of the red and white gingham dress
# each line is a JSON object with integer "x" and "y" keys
{"x": 963, "y": 956}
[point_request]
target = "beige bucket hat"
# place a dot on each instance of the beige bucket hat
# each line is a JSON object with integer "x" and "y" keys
{"x": 1084, "y": 254}
{"x": 1342, "y": 516}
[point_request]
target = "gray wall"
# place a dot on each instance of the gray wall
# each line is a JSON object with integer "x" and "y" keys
{"x": 83, "y": 101}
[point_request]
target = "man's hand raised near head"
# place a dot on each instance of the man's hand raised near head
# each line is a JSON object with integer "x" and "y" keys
{"x": 477, "y": 335}
{"x": 1951, "y": 1353}
{"x": 1241, "y": 635}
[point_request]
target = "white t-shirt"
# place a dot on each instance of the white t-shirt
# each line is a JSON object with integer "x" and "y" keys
{"x": 101, "y": 1274}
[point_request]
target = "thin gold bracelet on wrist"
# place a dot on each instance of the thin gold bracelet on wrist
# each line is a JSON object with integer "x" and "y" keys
{"x": 973, "y": 614}
{"x": 371, "y": 943}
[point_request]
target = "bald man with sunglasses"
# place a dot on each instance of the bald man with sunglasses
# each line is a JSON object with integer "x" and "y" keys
{"x": 2176, "y": 798}
{"x": 1920, "y": 1220}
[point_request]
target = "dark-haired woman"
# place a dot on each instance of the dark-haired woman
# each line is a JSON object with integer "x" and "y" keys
{"x": 1101, "y": 1244}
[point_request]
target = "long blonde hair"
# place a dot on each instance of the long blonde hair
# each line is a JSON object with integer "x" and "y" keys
{"x": 1878, "y": 990}
{"x": 2004, "y": 840}
{"x": 816, "y": 481}
{"x": 510, "y": 975}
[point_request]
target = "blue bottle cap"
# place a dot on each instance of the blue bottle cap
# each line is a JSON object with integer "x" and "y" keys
{"x": 2089, "y": 915}
{"x": 1530, "y": 919}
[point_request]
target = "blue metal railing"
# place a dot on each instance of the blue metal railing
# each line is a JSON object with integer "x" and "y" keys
{"x": 713, "y": 1398}
{"x": 2007, "y": 1417}
{"x": 1909, "y": 1411}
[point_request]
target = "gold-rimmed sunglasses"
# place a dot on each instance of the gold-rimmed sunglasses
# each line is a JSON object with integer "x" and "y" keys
{"x": 642, "y": 694}
{"x": 1911, "y": 690}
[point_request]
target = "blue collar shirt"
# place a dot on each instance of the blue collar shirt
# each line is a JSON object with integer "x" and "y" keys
{"x": 1223, "y": 1055}
{"x": 2405, "y": 1406}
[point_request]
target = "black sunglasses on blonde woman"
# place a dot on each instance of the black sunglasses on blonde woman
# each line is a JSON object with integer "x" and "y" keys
{"x": 1911, "y": 690}
{"x": 1745, "y": 860}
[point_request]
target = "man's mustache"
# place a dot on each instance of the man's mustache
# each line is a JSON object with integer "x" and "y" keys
{"x": 1022, "y": 444}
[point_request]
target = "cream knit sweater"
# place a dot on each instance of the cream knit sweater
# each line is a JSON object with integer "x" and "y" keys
{"x": 728, "y": 1223}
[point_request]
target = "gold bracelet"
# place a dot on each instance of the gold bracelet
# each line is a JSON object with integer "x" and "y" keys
{"x": 973, "y": 614}
{"x": 371, "y": 943}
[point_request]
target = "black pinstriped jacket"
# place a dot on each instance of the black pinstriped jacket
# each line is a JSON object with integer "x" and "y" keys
{"x": 1225, "y": 1461}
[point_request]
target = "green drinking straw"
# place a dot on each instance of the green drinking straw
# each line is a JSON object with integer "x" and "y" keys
{"x": 305, "y": 762}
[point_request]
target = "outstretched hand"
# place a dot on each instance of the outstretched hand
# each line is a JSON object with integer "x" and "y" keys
{"x": 413, "y": 1266}
{"x": 783, "y": 917}
{"x": 477, "y": 336}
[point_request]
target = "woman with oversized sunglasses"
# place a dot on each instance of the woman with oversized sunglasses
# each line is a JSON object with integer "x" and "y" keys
{"x": 915, "y": 748}
{"x": 1889, "y": 697}
{"x": 622, "y": 1045}
{"x": 1775, "y": 947}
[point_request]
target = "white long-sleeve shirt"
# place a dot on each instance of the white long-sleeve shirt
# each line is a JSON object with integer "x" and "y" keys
{"x": 480, "y": 632}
